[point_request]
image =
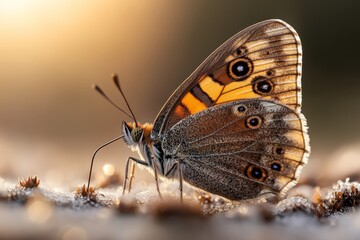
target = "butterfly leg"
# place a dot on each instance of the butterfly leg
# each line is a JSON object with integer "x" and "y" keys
{"x": 156, "y": 177}
{"x": 132, "y": 175}
{"x": 133, "y": 160}
{"x": 180, "y": 181}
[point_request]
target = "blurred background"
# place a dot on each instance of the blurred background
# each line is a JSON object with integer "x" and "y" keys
{"x": 51, "y": 52}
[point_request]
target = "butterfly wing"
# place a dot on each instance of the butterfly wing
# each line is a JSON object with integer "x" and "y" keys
{"x": 240, "y": 150}
{"x": 262, "y": 61}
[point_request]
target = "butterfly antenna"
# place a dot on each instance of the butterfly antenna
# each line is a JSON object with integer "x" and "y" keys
{"x": 93, "y": 158}
{"x": 116, "y": 80}
{"x": 99, "y": 90}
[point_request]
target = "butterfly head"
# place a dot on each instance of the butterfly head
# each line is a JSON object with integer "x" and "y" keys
{"x": 135, "y": 134}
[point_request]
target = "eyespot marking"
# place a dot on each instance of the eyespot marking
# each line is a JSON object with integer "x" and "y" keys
{"x": 240, "y": 51}
{"x": 256, "y": 172}
{"x": 279, "y": 151}
{"x": 276, "y": 166}
{"x": 241, "y": 108}
{"x": 262, "y": 85}
{"x": 253, "y": 122}
{"x": 270, "y": 72}
{"x": 239, "y": 69}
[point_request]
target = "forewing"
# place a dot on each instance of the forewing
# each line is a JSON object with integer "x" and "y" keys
{"x": 262, "y": 61}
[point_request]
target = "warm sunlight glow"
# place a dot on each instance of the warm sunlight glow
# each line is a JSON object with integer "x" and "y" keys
{"x": 24, "y": 12}
{"x": 12, "y": 6}
{"x": 51, "y": 52}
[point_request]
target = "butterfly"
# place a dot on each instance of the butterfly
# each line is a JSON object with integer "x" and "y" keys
{"x": 234, "y": 127}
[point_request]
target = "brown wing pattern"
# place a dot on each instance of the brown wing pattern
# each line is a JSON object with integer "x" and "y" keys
{"x": 250, "y": 148}
{"x": 262, "y": 61}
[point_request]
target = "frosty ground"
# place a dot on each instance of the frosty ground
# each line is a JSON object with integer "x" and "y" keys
{"x": 307, "y": 212}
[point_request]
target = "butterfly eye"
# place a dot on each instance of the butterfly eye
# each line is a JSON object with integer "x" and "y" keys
{"x": 256, "y": 173}
{"x": 239, "y": 69}
{"x": 136, "y": 134}
{"x": 254, "y": 122}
